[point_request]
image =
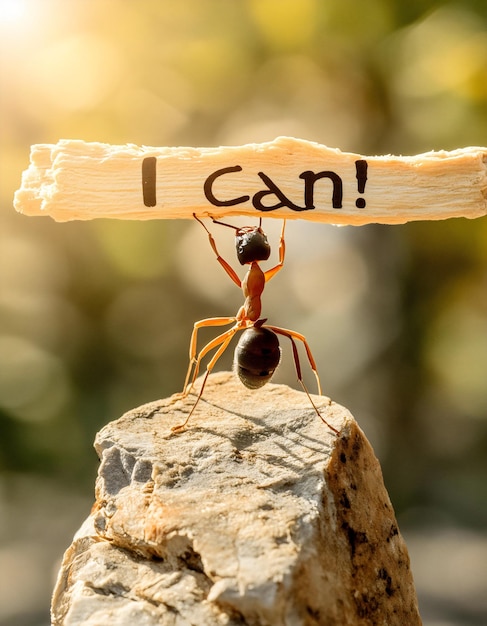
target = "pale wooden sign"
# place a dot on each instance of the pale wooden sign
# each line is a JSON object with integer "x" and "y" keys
{"x": 286, "y": 178}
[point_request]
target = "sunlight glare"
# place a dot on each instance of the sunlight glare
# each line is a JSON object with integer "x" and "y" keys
{"x": 12, "y": 11}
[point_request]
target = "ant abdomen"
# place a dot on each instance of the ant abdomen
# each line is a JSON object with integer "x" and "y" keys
{"x": 257, "y": 356}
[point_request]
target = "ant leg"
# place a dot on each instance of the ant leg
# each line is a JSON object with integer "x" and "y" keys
{"x": 193, "y": 361}
{"x": 302, "y": 338}
{"x": 282, "y": 252}
{"x": 292, "y": 335}
{"x": 228, "y": 269}
{"x": 222, "y": 340}
{"x": 209, "y": 346}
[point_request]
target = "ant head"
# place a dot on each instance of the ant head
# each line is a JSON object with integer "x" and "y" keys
{"x": 252, "y": 244}
{"x": 257, "y": 356}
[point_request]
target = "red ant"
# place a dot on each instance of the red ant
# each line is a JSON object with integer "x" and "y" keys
{"x": 257, "y": 354}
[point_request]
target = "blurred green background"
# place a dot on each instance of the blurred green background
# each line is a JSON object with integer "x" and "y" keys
{"x": 95, "y": 318}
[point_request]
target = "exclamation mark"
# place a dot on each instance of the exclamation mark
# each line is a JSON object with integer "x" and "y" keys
{"x": 149, "y": 181}
{"x": 361, "y": 168}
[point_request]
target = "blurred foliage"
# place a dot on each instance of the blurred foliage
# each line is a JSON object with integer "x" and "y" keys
{"x": 95, "y": 317}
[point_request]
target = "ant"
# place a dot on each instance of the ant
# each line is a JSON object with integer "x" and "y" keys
{"x": 258, "y": 353}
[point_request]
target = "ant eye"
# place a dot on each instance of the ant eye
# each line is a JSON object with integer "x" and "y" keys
{"x": 252, "y": 245}
{"x": 257, "y": 356}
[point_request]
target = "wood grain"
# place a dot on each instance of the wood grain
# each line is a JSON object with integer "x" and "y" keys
{"x": 288, "y": 177}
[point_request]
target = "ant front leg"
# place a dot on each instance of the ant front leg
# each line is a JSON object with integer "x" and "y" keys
{"x": 226, "y": 266}
{"x": 282, "y": 252}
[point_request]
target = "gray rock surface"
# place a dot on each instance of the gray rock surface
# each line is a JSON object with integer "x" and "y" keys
{"x": 255, "y": 514}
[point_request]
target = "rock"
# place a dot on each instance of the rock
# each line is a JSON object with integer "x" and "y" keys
{"x": 256, "y": 513}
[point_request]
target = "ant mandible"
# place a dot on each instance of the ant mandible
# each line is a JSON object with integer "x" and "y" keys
{"x": 258, "y": 353}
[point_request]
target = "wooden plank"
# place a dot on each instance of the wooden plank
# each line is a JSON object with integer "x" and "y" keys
{"x": 291, "y": 178}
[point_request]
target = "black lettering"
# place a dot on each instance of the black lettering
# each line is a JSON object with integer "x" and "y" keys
{"x": 361, "y": 168}
{"x": 274, "y": 190}
{"x": 208, "y": 188}
{"x": 149, "y": 181}
{"x": 310, "y": 178}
